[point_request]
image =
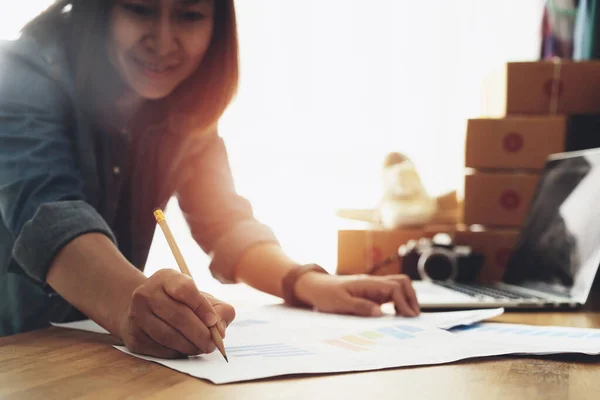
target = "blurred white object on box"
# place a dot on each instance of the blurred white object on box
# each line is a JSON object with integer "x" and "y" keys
{"x": 405, "y": 201}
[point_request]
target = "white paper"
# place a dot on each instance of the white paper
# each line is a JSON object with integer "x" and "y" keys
{"x": 534, "y": 340}
{"x": 277, "y": 340}
{"x": 261, "y": 348}
{"x": 85, "y": 325}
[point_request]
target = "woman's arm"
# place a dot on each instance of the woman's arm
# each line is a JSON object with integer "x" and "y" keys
{"x": 164, "y": 316}
{"x": 244, "y": 250}
{"x": 92, "y": 275}
{"x": 220, "y": 220}
{"x": 263, "y": 267}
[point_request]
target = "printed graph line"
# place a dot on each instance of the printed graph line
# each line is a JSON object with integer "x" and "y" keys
{"x": 273, "y": 351}
{"x": 255, "y": 346}
{"x": 275, "y": 354}
{"x": 249, "y": 322}
{"x": 538, "y": 332}
{"x": 266, "y": 350}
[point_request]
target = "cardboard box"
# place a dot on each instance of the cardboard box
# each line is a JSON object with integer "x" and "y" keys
{"x": 498, "y": 199}
{"x": 548, "y": 87}
{"x": 514, "y": 142}
{"x": 360, "y": 249}
{"x": 496, "y": 246}
{"x": 524, "y": 142}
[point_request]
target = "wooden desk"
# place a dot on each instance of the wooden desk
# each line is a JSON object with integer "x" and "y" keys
{"x": 58, "y": 363}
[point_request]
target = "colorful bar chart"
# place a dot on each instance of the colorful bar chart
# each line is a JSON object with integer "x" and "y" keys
{"x": 365, "y": 340}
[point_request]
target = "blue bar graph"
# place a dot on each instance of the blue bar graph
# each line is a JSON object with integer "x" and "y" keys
{"x": 398, "y": 334}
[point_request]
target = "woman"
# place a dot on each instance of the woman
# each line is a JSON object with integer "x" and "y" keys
{"x": 107, "y": 109}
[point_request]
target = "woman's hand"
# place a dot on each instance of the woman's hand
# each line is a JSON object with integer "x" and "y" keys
{"x": 359, "y": 295}
{"x": 168, "y": 317}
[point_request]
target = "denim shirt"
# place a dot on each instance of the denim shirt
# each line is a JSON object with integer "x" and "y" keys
{"x": 60, "y": 179}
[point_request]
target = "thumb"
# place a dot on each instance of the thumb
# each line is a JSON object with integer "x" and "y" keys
{"x": 362, "y": 307}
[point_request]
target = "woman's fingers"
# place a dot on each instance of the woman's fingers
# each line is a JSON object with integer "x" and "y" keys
{"x": 397, "y": 289}
{"x": 140, "y": 343}
{"x": 225, "y": 311}
{"x": 411, "y": 297}
{"x": 165, "y": 335}
{"x": 183, "y": 319}
{"x": 168, "y": 316}
{"x": 408, "y": 291}
{"x": 183, "y": 289}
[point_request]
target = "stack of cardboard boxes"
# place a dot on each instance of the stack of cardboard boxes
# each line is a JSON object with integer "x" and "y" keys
{"x": 551, "y": 107}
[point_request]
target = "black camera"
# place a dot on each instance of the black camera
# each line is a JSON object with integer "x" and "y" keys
{"x": 438, "y": 259}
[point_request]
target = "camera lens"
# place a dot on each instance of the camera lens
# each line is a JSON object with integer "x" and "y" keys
{"x": 438, "y": 264}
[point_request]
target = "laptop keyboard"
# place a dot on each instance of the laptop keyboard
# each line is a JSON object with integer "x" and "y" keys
{"x": 484, "y": 291}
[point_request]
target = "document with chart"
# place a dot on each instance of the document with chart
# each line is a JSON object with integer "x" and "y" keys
{"x": 275, "y": 341}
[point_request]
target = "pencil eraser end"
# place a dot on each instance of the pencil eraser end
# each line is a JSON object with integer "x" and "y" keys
{"x": 158, "y": 214}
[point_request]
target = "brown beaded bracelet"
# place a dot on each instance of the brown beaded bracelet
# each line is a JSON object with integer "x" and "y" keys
{"x": 288, "y": 283}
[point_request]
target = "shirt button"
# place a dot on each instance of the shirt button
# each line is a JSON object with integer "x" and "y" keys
{"x": 116, "y": 170}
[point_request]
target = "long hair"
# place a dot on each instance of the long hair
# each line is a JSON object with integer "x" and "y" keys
{"x": 165, "y": 128}
{"x": 196, "y": 105}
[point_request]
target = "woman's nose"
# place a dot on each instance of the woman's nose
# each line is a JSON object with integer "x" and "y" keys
{"x": 165, "y": 40}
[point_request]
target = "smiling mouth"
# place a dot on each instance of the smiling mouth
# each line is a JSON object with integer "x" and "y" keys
{"x": 154, "y": 69}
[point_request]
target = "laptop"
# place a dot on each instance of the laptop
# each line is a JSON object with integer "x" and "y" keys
{"x": 555, "y": 260}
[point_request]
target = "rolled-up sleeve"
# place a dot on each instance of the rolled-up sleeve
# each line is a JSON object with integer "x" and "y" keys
{"x": 41, "y": 189}
{"x": 221, "y": 221}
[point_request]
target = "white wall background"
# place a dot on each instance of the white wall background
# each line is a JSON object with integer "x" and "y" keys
{"x": 328, "y": 87}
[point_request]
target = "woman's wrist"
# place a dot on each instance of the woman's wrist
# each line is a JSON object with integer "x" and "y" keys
{"x": 297, "y": 284}
{"x": 92, "y": 275}
{"x": 125, "y": 291}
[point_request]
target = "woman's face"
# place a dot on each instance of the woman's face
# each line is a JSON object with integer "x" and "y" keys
{"x": 155, "y": 45}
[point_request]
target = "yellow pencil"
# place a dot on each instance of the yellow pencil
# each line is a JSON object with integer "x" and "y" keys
{"x": 162, "y": 222}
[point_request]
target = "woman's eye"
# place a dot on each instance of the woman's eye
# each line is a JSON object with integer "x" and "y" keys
{"x": 192, "y": 16}
{"x": 139, "y": 9}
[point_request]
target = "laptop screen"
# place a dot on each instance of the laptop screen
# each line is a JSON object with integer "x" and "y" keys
{"x": 559, "y": 244}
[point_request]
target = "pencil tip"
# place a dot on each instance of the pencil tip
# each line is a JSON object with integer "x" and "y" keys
{"x": 226, "y": 359}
